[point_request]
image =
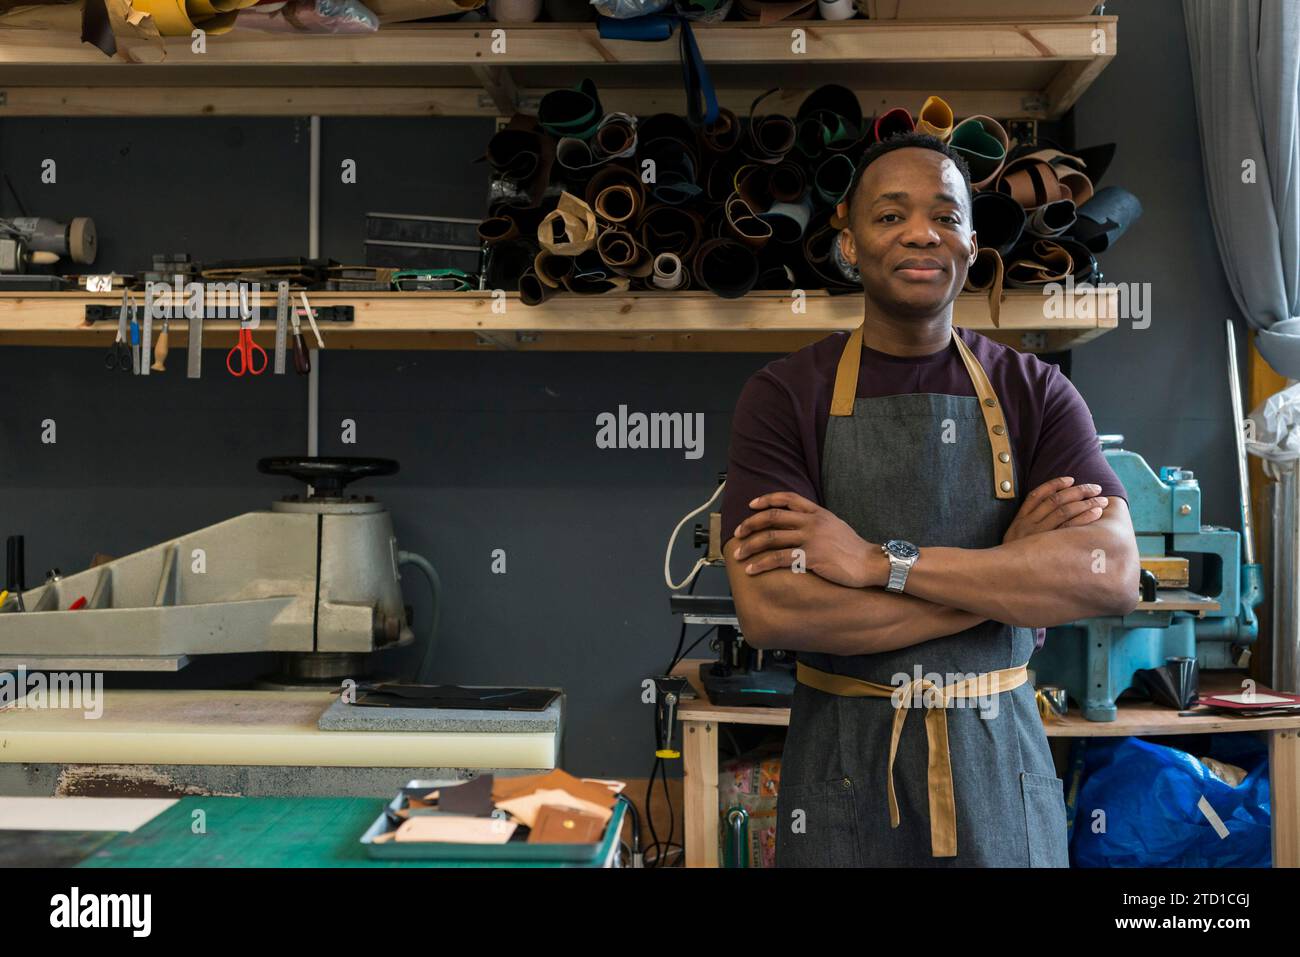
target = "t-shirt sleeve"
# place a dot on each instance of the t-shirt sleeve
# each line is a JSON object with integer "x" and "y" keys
{"x": 1067, "y": 441}
{"x": 767, "y": 451}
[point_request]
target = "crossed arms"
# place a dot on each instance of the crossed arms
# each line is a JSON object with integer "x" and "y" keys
{"x": 1068, "y": 554}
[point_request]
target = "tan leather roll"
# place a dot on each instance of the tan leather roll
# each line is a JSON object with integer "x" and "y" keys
{"x": 623, "y": 254}
{"x": 744, "y": 224}
{"x": 986, "y": 274}
{"x": 617, "y": 204}
{"x": 569, "y": 229}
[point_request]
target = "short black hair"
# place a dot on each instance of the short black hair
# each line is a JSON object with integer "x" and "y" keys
{"x": 902, "y": 141}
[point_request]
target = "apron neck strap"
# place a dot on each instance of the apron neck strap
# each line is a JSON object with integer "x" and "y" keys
{"x": 995, "y": 423}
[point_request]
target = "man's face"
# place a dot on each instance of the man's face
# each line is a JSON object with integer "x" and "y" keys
{"x": 910, "y": 233}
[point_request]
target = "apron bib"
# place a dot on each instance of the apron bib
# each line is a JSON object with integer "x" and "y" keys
{"x": 917, "y": 467}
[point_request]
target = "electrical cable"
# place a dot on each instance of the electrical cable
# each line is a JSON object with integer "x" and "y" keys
{"x": 699, "y": 563}
{"x": 435, "y": 591}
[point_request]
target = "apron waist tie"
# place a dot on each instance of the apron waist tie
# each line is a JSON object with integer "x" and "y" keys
{"x": 935, "y": 699}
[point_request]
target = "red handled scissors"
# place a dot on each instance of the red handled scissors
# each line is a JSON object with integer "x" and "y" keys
{"x": 248, "y": 351}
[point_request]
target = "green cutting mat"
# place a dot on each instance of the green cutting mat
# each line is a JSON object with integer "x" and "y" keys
{"x": 257, "y": 832}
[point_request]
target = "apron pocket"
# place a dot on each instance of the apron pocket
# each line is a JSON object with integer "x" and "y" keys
{"x": 817, "y": 825}
{"x": 1045, "y": 820}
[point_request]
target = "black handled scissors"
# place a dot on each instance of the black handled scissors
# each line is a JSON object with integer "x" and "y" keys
{"x": 119, "y": 357}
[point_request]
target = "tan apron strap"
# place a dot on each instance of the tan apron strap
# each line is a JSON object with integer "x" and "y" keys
{"x": 846, "y": 375}
{"x": 1004, "y": 475}
{"x": 846, "y": 391}
{"x": 935, "y": 700}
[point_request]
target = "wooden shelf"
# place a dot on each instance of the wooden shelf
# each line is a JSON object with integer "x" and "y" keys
{"x": 634, "y": 322}
{"x": 1011, "y": 69}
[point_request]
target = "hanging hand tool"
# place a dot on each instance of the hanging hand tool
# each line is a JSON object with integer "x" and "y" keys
{"x": 162, "y": 348}
{"x": 311, "y": 318}
{"x": 301, "y": 358}
{"x": 119, "y": 354}
{"x": 135, "y": 343}
{"x": 194, "y": 350}
{"x": 281, "y": 324}
{"x": 252, "y": 357}
{"x": 146, "y": 339}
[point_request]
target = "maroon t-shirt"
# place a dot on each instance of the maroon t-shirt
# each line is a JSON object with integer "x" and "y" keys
{"x": 779, "y": 426}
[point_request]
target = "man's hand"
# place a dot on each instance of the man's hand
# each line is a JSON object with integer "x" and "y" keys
{"x": 1057, "y": 503}
{"x": 831, "y": 549}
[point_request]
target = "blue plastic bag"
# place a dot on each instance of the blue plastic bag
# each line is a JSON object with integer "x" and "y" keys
{"x": 1138, "y": 805}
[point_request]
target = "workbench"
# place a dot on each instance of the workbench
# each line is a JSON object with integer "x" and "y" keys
{"x": 700, "y": 720}
{"x": 254, "y": 743}
{"x": 235, "y": 832}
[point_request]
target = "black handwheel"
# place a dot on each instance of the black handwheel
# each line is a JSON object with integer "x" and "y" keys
{"x": 327, "y": 475}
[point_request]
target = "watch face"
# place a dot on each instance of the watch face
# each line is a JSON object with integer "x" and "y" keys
{"x": 901, "y": 549}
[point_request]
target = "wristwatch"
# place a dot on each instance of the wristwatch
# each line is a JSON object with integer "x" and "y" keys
{"x": 902, "y": 556}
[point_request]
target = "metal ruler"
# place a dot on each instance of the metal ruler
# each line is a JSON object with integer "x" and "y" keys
{"x": 281, "y": 324}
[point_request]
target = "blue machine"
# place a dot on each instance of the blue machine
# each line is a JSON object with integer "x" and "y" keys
{"x": 1095, "y": 659}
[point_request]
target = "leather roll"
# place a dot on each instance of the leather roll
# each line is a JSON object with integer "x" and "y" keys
{"x": 497, "y": 229}
{"x": 720, "y": 178}
{"x": 769, "y": 136}
{"x": 725, "y": 267}
{"x": 1037, "y": 263}
{"x": 829, "y": 119}
{"x": 788, "y": 182}
{"x": 753, "y": 182}
{"x": 671, "y": 229}
{"x": 507, "y": 261}
{"x": 722, "y": 136}
{"x": 575, "y": 162}
{"x": 615, "y": 173}
{"x": 675, "y": 170}
{"x": 1051, "y": 219}
{"x": 551, "y": 269}
{"x": 570, "y": 229}
{"x": 891, "y": 123}
{"x": 615, "y": 137}
{"x": 833, "y": 178}
{"x": 982, "y": 143}
{"x": 998, "y": 219}
{"x": 1085, "y": 263}
{"x": 623, "y": 254}
{"x": 1106, "y": 217}
{"x": 777, "y": 276}
{"x": 532, "y": 291}
{"x": 668, "y": 272}
{"x": 744, "y": 225}
{"x": 819, "y": 254}
{"x": 521, "y": 155}
{"x": 590, "y": 276}
{"x": 789, "y": 220}
{"x": 1034, "y": 178}
{"x": 1096, "y": 160}
{"x": 987, "y": 274}
{"x": 935, "y": 118}
{"x": 617, "y": 204}
{"x": 571, "y": 112}
{"x": 1077, "y": 183}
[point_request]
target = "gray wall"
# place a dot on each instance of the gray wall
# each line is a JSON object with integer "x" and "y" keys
{"x": 497, "y": 449}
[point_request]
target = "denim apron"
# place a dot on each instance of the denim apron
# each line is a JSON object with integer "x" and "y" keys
{"x": 917, "y": 467}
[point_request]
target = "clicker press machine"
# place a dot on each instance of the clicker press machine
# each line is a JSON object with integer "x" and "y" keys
{"x": 1199, "y": 592}
{"x": 315, "y": 578}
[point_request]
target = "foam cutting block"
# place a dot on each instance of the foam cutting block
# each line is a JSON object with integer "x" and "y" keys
{"x": 272, "y": 728}
{"x": 349, "y": 717}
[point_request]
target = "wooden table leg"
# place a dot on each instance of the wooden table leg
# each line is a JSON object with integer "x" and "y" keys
{"x": 1284, "y": 796}
{"x": 700, "y": 792}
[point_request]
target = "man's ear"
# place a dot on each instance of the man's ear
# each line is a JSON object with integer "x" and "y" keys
{"x": 974, "y": 249}
{"x": 848, "y": 247}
